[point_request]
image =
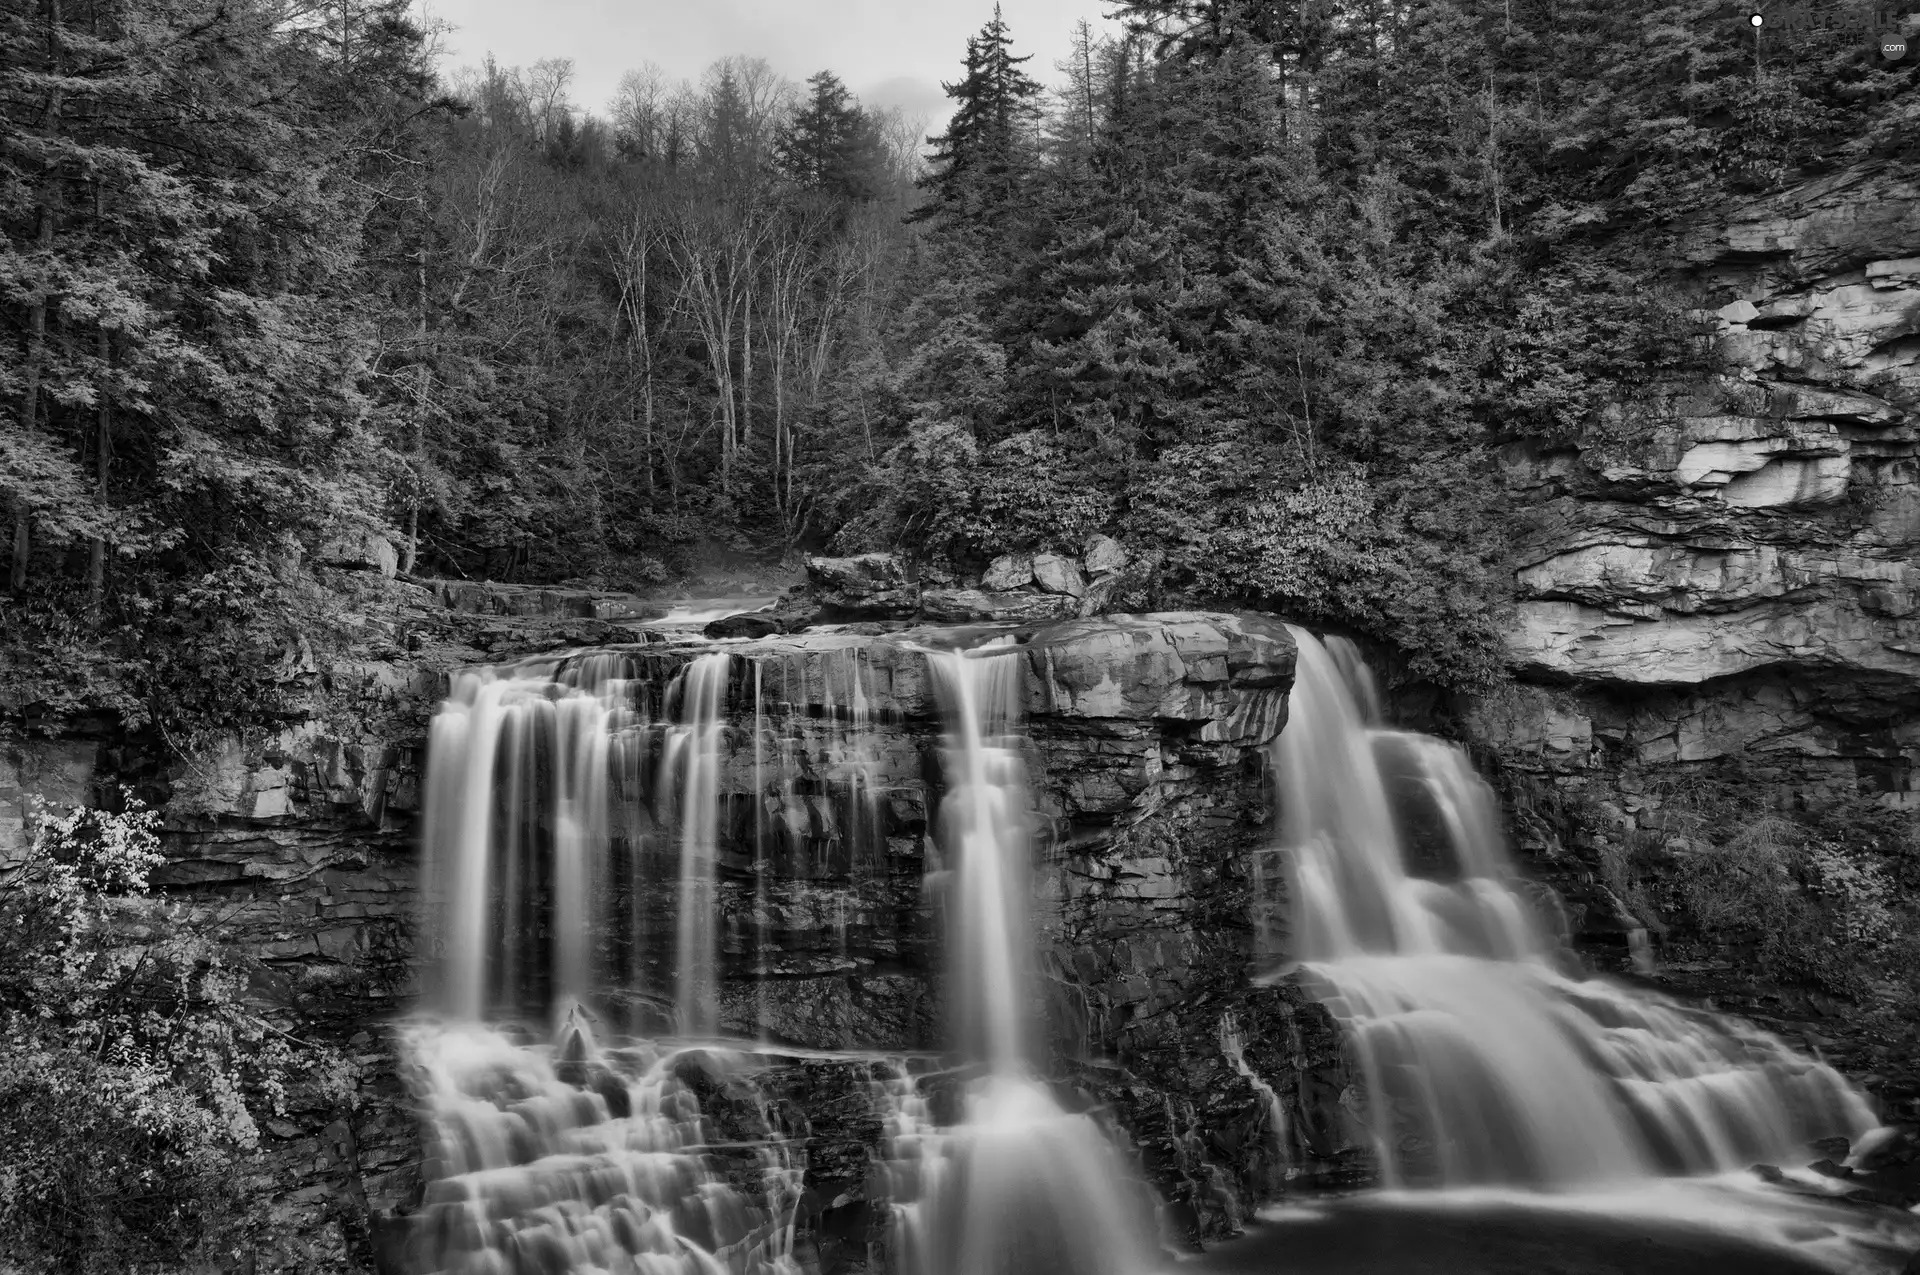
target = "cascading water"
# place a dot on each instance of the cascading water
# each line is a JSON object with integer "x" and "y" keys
{"x": 1020, "y": 1185}
{"x": 571, "y": 1158}
{"x": 577, "y": 813}
{"x": 568, "y": 804}
{"x": 696, "y": 989}
{"x": 1483, "y": 1060}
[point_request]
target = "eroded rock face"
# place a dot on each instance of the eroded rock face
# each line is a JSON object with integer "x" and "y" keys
{"x": 1737, "y": 604}
{"x": 1770, "y": 525}
{"x": 1147, "y": 738}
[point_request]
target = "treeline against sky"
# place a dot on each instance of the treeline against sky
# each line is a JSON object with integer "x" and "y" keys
{"x": 1257, "y": 286}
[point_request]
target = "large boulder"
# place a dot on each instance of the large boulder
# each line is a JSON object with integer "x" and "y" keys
{"x": 1104, "y": 556}
{"x": 360, "y": 550}
{"x": 871, "y": 586}
{"x": 750, "y": 624}
{"x": 1057, "y": 574}
{"x": 1008, "y": 571}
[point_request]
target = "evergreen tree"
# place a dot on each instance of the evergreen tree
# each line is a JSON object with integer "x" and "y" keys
{"x": 831, "y": 145}
{"x": 983, "y": 162}
{"x": 182, "y": 198}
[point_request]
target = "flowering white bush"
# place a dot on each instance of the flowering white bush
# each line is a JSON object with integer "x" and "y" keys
{"x": 130, "y": 1064}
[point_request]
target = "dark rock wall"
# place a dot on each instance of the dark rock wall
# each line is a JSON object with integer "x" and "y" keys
{"x": 1727, "y": 619}
{"x": 1147, "y": 737}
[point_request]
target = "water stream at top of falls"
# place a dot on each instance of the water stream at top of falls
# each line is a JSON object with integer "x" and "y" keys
{"x": 1485, "y": 1058}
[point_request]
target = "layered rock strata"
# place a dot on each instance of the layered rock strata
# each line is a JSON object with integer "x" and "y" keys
{"x": 1738, "y": 601}
{"x": 1146, "y": 737}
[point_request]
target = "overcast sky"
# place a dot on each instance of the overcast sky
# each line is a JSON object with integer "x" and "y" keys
{"x": 889, "y": 52}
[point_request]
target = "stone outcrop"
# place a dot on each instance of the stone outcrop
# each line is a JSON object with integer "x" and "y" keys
{"x": 1748, "y": 584}
{"x": 1738, "y": 600}
{"x": 1019, "y": 588}
{"x": 1771, "y": 521}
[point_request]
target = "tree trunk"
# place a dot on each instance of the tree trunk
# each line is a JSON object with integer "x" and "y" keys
{"x": 419, "y": 424}
{"x": 746, "y": 365}
{"x": 645, "y": 339}
{"x": 102, "y": 463}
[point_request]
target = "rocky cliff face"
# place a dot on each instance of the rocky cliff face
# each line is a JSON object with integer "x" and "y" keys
{"x": 1737, "y": 606}
{"x": 1771, "y": 522}
{"x": 1147, "y": 739}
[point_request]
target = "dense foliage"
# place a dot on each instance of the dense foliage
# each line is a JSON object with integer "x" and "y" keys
{"x": 134, "y": 1067}
{"x": 1259, "y": 287}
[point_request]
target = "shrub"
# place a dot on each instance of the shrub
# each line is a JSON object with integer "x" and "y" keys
{"x": 130, "y": 1068}
{"x": 1815, "y": 911}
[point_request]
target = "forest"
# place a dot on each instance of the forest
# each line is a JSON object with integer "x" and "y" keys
{"x": 1278, "y": 295}
{"x": 1258, "y": 287}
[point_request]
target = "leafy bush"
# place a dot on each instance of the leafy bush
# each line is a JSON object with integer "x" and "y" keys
{"x": 1816, "y": 911}
{"x": 130, "y": 1068}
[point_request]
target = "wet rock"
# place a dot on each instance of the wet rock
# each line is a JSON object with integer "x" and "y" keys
{"x": 963, "y": 606}
{"x": 1898, "y": 1148}
{"x": 1056, "y": 574}
{"x": 1829, "y": 1169}
{"x": 872, "y": 586}
{"x": 1009, "y": 571}
{"x": 752, "y": 624}
{"x": 1836, "y": 1148}
{"x": 1877, "y": 1198}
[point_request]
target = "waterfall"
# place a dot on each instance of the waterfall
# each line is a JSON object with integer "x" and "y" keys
{"x": 1234, "y": 1048}
{"x": 697, "y": 985}
{"x": 1482, "y": 1059}
{"x": 574, "y": 1159}
{"x": 1025, "y": 1186}
{"x": 983, "y": 821}
{"x": 577, "y": 811}
{"x": 488, "y": 855}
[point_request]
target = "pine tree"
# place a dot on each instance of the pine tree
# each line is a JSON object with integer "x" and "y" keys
{"x": 983, "y": 162}
{"x": 831, "y": 145}
{"x": 182, "y": 200}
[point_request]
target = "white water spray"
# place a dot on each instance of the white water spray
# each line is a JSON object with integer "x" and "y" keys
{"x": 1483, "y": 1062}
{"x": 1030, "y": 1188}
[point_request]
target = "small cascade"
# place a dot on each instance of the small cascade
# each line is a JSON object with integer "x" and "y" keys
{"x": 1483, "y": 1060}
{"x": 1234, "y": 1048}
{"x": 565, "y": 1157}
{"x": 914, "y": 1167}
{"x": 1019, "y": 1184}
